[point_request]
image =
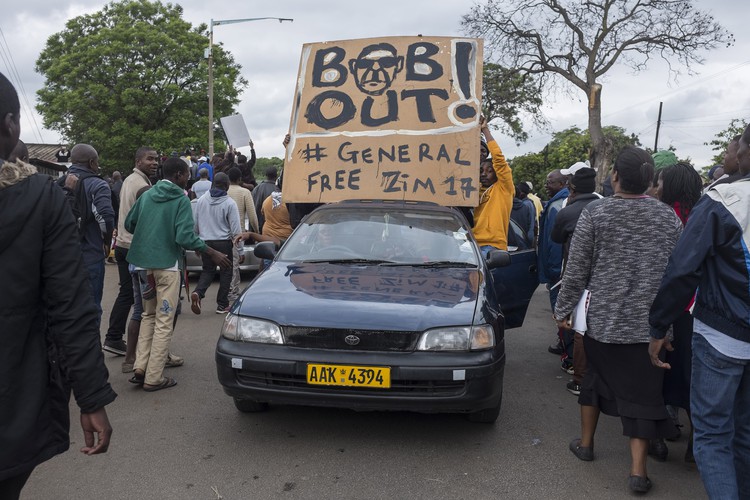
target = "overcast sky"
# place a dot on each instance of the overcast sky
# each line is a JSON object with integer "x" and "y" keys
{"x": 695, "y": 107}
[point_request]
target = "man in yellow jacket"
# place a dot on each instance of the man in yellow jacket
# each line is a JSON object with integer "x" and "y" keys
{"x": 492, "y": 216}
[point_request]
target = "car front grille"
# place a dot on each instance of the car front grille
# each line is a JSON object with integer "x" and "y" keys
{"x": 413, "y": 388}
{"x": 351, "y": 340}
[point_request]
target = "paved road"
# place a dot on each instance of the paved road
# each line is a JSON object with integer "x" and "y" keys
{"x": 189, "y": 442}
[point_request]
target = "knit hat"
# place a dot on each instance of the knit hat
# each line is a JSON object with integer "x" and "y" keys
{"x": 584, "y": 180}
{"x": 663, "y": 159}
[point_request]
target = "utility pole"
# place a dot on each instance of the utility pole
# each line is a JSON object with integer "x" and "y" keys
{"x": 209, "y": 56}
{"x": 658, "y": 125}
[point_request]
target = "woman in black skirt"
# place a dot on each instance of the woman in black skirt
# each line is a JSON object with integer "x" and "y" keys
{"x": 619, "y": 251}
{"x": 680, "y": 187}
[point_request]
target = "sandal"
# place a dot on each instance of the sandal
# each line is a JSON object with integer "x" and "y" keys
{"x": 138, "y": 378}
{"x": 583, "y": 453}
{"x": 166, "y": 383}
{"x": 173, "y": 361}
{"x": 639, "y": 484}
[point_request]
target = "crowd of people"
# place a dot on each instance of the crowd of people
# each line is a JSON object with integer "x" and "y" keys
{"x": 649, "y": 287}
{"x": 650, "y": 291}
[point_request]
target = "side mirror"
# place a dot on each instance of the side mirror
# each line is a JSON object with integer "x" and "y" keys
{"x": 265, "y": 250}
{"x": 497, "y": 258}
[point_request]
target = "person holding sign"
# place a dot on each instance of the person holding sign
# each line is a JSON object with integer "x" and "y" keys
{"x": 492, "y": 216}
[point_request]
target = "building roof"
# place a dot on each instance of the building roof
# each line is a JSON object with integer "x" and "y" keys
{"x": 43, "y": 151}
{"x": 42, "y": 156}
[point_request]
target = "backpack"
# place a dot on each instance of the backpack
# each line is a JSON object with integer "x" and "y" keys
{"x": 78, "y": 202}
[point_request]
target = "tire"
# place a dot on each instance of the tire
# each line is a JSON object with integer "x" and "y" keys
{"x": 250, "y": 406}
{"x": 488, "y": 415}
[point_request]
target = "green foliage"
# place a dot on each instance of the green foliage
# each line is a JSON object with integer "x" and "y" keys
{"x": 723, "y": 138}
{"x": 531, "y": 167}
{"x": 506, "y": 95}
{"x": 261, "y": 164}
{"x": 133, "y": 74}
{"x": 566, "y": 148}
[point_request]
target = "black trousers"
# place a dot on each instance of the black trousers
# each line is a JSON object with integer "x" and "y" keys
{"x": 209, "y": 271}
{"x": 10, "y": 489}
{"x": 118, "y": 318}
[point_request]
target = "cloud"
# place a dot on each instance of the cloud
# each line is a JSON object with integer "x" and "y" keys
{"x": 269, "y": 53}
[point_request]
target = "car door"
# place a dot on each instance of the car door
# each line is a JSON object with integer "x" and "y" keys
{"x": 515, "y": 284}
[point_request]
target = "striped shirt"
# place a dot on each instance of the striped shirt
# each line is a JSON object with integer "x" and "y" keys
{"x": 619, "y": 251}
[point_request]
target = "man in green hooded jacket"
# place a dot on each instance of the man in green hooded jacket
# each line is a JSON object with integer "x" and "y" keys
{"x": 161, "y": 222}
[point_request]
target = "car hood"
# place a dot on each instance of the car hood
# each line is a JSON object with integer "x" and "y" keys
{"x": 364, "y": 297}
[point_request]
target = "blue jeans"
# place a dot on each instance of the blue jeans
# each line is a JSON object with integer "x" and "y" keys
{"x": 720, "y": 406}
{"x": 137, "y": 300}
{"x": 96, "y": 279}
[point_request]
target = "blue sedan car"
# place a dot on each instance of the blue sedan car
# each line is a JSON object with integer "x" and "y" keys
{"x": 376, "y": 306}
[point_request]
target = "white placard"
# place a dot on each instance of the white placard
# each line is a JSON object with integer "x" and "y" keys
{"x": 235, "y": 130}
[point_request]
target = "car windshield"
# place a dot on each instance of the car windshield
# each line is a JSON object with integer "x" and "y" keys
{"x": 381, "y": 235}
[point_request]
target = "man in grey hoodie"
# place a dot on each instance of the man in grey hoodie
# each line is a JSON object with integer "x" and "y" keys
{"x": 217, "y": 222}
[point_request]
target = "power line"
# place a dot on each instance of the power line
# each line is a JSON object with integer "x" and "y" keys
{"x": 699, "y": 119}
{"x": 681, "y": 88}
{"x": 676, "y": 129}
{"x": 647, "y": 129}
{"x": 14, "y": 71}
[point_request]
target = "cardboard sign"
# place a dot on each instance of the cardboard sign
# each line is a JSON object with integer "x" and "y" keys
{"x": 389, "y": 119}
{"x": 235, "y": 130}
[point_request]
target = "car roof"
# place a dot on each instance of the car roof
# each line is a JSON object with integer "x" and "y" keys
{"x": 389, "y": 204}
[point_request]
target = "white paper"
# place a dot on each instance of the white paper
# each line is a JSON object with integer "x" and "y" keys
{"x": 235, "y": 130}
{"x": 578, "y": 316}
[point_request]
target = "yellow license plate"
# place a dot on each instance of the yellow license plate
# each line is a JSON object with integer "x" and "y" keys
{"x": 378, "y": 377}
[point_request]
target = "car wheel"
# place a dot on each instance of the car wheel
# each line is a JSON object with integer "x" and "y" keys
{"x": 250, "y": 406}
{"x": 488, "y": 415}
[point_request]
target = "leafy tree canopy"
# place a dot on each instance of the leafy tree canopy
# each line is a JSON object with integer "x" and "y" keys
{"x": 722, "y": 139}
{"x": 133, "y": 74}
{"x": 578, "y": 42}
{"x": 566, "y": 148}
{"x": 261, "y": 164}
{"x": 510, "y": 96}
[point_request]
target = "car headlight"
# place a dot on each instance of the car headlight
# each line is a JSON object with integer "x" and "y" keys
{"x": 457, "y": 338}
{"x": 251, "y": 330}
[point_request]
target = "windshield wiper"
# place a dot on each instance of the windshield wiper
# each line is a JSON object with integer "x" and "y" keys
{"x": 434, "y": 263}
{"x": 347, "y": 261}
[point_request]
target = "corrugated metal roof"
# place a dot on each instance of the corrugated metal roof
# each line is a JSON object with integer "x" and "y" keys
{"x": 43, "y": 151}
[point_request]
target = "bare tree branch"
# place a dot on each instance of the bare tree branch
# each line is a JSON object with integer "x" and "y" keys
{"x": 581, "y": 41}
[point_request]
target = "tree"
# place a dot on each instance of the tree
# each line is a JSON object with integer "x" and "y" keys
{"x": 581, "y": 41}
{"x": 130, "y": 75}
{"x": 262, "y": 164}
{"x": 531, "y": 167}
{"x": 566, "y": 148}
{"x": 723, "y": 138}
{"x": 505, "y": 96}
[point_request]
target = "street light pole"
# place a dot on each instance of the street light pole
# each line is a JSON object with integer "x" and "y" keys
{"x": 209, "y": 55}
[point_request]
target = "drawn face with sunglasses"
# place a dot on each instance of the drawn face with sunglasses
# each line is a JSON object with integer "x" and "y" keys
{"x": 376, "y": 68}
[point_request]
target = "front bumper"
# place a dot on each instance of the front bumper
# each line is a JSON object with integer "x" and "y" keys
{"x": 430, "y": 382}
